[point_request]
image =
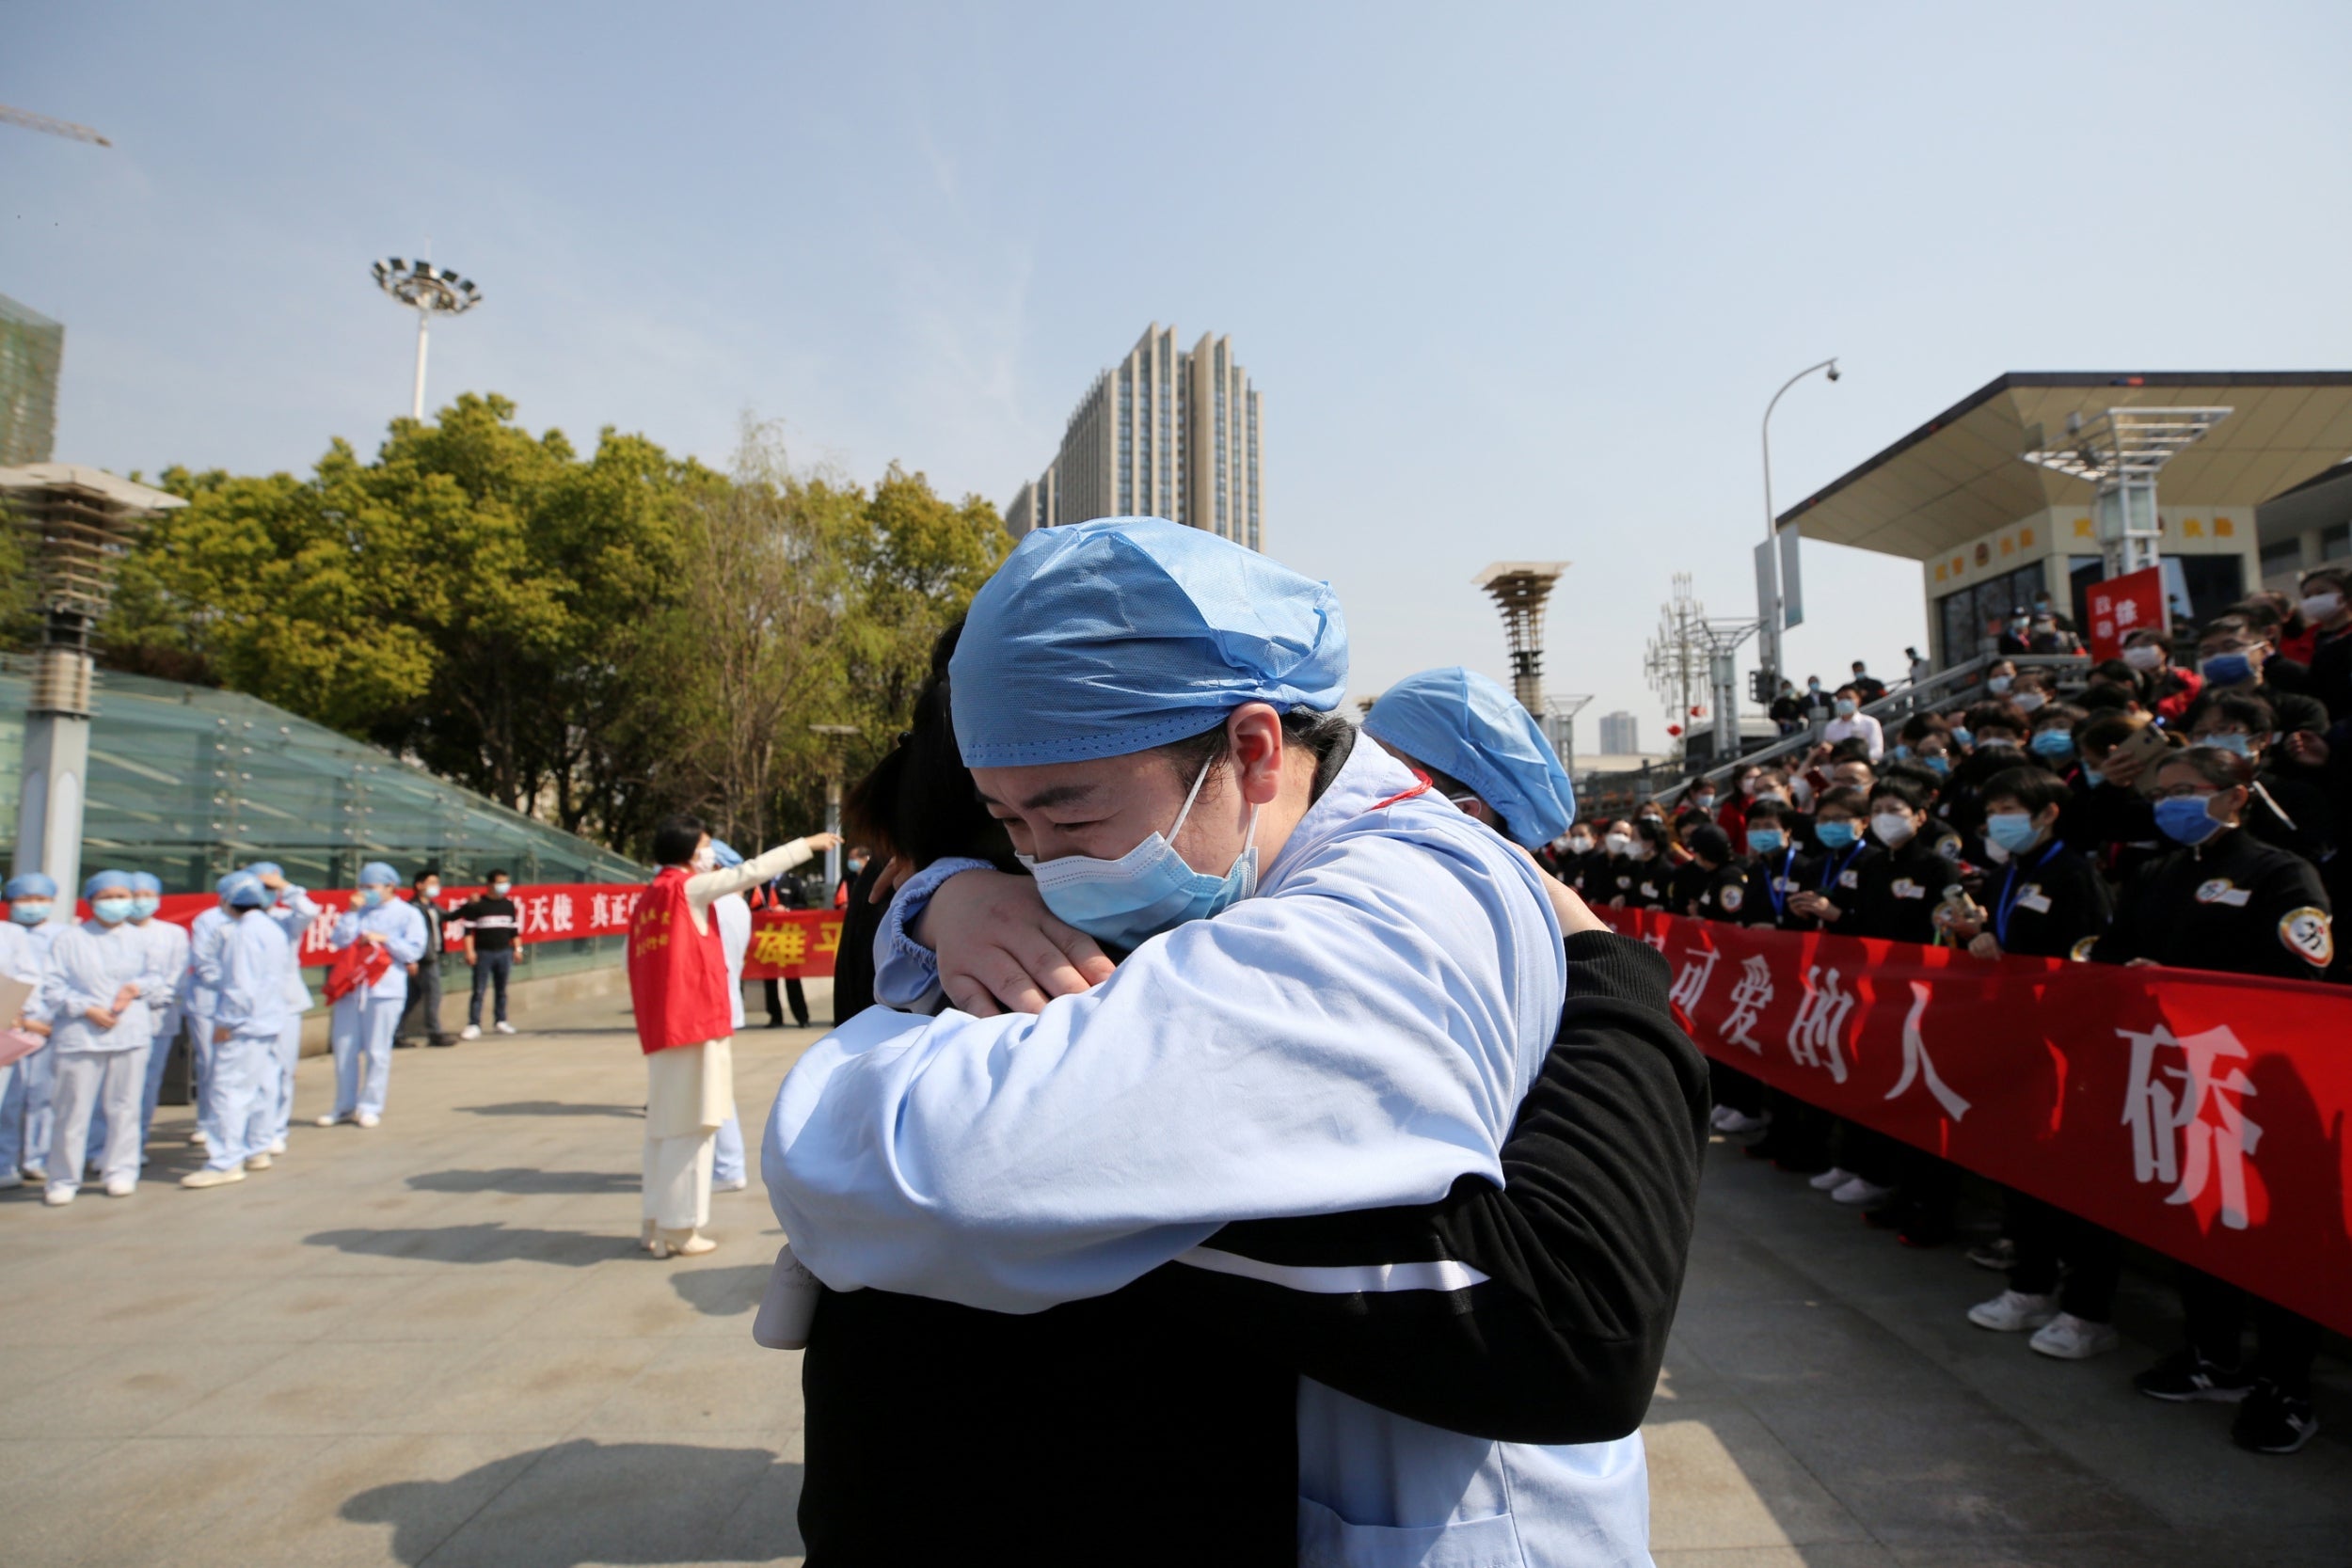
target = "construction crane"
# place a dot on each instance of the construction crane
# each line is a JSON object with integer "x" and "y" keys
{"x": 31, "y": 121}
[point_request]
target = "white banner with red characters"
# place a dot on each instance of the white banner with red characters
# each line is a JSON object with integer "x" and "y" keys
{"x": 2122, "y": 606}
{"x": 786, "y": 943}
{"x": 2206, "y": 1116}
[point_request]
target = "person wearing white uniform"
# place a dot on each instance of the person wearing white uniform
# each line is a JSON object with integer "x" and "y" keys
{"x": 23, "y": 954}
{"x": 242, "y": 969}
{"x": 200, "y": 996}
{"x": 99, "y": 998}
{"x": 728, "y": 1171}
{"x": 28, "y": 1092}
{"x": 295, "y": 914}
{"x": 1353, "y": 1026}
{"x": 170, "y": 946}
{"x": 365, "y": 1016}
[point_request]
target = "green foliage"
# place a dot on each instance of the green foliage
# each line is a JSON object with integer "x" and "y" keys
{"x": 597, "y": 641}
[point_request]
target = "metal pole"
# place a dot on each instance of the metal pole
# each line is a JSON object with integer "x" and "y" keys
{"x": 1768, "y": 610}
{"x": 415, "y": 400}
{"x": 833, "y": 825}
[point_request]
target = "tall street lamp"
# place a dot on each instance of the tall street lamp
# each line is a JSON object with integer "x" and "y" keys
{"x": 429, "y": 293}
{"x": 1769, "y": 604}
{"x": 837, "y": 734}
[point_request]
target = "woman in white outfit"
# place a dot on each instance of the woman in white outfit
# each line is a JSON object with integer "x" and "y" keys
{"x": 99, "y": 998}
{"x": 366, "y": 1014}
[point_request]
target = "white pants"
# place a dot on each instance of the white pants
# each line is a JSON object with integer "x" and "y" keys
{"x": 286, "y": 1057}
{"x": 239, "y": 1099}
{"x": 86, "y": 1078}
{"x": 362, "y": 1034}
{"x": 677, "y": 1181}
{"x": 726, "y": 1153}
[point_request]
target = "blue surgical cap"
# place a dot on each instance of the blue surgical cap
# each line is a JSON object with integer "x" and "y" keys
{"x": 31, "y": 884}
{"x": 266, "y": 869}
{"x": 243, "y": 890}
{"x": 221, "y": 887}
{"x": 147, "y": 882}
{"x": 726, "y": 853}
{"x": 1100, "y": 638}
{"x": 1463, "y": 725}
{"x": 105, "y": 879}
{"x": 377, "y": 874}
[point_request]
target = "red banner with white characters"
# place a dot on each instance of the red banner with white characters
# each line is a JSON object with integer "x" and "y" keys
{"x": 2121, "y": 606}
{"x": 2206, "y": 1116}
{"x": 786, "y": 943}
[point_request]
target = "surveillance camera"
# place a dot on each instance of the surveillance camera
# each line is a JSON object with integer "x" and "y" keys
{"x": 1833, "y": 372}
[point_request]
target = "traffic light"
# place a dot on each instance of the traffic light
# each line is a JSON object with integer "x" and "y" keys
{"x": 1763, "y": 686}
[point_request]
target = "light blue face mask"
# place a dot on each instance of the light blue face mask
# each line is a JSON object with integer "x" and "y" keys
{"x": 1765, "y": 841}
{"x": 2092, "y": 778}
{"x": 1836, "y": 836}
{"x": 1962, "y": 737}
{"x": 2053, "y": 744}
{"x": 144, "y": 905}
{"x": 28, "y": 913}
{"x": 1939, "y": 765}
{"x": 2188, "y": 818}
{"x": 371, "y": 896}
{"x": 1148, "y": 890}
{"x": 2013, "y": 830}
{"x": 112, "y": 912}
{"x": 2227, "y": 740}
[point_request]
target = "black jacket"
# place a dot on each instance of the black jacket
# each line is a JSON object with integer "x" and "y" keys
{"x": 1900, "y": 889}
{"x": 2232, "y": 904}
{"x": 2047, "y": 902}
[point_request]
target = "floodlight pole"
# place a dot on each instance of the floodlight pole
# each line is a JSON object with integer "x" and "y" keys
{"x": 428, "y": 291}
{"x": 416, "y": 398}
{"x": 1768, "y": 602}
{"x": 835, "y": 734}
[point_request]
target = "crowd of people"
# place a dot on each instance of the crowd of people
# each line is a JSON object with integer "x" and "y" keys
{"x": 107, "y": 998}
{"x": 2176, "y": 811}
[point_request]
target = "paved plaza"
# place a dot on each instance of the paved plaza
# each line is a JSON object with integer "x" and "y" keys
{"x": 436, "y": 1343}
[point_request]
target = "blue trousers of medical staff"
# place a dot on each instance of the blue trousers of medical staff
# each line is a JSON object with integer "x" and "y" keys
{"x": 238, "y": 1102}
{"x": 726, "y": 1156}
{"x": 28, "y": 1120}
{"x": 287, "y": 1056}
{"x": 362, "y": 1035}
{"x": 158, "y": 1057}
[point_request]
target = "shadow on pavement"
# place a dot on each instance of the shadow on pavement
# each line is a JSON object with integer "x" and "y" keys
{"x": 584, "y": 1501}
{"x": 530, "y": 1183}
{"x": 552, "y": 1108}
{"x": 489, "y": 1242}
{"x": 721, "y": 1293}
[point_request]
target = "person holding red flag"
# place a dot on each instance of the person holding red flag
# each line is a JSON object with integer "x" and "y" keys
{"x": 677, "y": 987}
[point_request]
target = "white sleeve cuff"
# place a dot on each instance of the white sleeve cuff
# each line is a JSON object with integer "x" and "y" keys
{"x": 905, "y": 971}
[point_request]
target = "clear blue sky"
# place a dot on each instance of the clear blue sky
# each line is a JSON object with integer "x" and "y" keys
{"x": 1515, "y": 281}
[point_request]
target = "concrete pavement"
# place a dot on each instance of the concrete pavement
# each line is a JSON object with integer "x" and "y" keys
{"x": 438, "y": 1342}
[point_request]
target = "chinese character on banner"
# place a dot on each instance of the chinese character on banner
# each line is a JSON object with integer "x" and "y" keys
{"x": 535, "y": 915}
{"x": 1813, "y": 1039}
{"x": 779, "y": 945}
{"x": 1917, "y": 1064}
{"x": 1749, "y": 998}
{"x": 559, "y": 914}
{"x": 2122, "y": 605}
{"x": 828, "y": 938}
{"x": 2218, "y": 1137}
{"x": 1691, "y": 983}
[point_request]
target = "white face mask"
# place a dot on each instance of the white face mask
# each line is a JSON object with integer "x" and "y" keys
{"x": 705, "y": 859}
{"x": 2028, "y": 701}
{"x": 1891, "y": 827}
{"x": 2319, "y": 607}
{"x": 2144, "y": 656}
{"x": 1581, "y": 844}
{"x": 499, "y": 888}
{"x": 1619, "y": 842}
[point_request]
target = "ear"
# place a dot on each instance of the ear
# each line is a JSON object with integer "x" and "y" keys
{"x": 1254, "y": 731}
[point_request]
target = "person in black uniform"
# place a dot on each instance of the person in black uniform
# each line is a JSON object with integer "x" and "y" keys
{"x": 1718, "y": 888}
{"x": 2287, "y": 811}
{"x": 1648, "y": 873}
{"x": 2227, "y": 902}
{"x": 1584, "y": 863}
{"x": 1614, "y": 879}
{"x": 1770, "y": 860}
{"x": 424, "y": 976}
{"x": 1997, "y": 733}
{"x": 2048, "y": 902}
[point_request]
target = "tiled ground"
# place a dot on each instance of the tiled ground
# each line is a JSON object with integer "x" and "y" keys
{"x": 438, "y": 1342}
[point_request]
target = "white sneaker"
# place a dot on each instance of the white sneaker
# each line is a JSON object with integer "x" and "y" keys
{"x": 1829, "y": 1181}
{"x": 504, "y": 1027}
{"x": 122, "y": 1186}
{"x": 739, "y": 1185}
{"x": 57, "y": 1197}
{"x": 211, "y": 1178}
{"x": 257, "y": 1162}
{"x": 470, "y": 1032}
{"x": 1740, "y": 1122}
{"x": 278, "y": 1146}
{"x": 1858, "y": 1193}
{"x": 367, "y": 1119}
{"x": 330, "y": 1120}
{"x": 1715, "y": 1118}
{"x": 2013, "y": 1311}
{"x": 2071, "y": 1339}
{"x": 200, "y": 1139}
{"x": 34, "y": 1173}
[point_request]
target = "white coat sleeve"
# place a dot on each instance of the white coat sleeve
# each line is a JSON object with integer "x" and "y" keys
{"x": 406, "y": 941}
{"x": 1342, "y": 1045}
{"x": 346, "y": 931}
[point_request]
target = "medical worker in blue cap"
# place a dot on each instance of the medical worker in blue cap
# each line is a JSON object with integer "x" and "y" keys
{"x": 169, "y": 947}
{"x": 25, "y": 941}
{"x": 293, "y": 912}
{"x": 242, "y": 969}
{"x": 200, "y": 994}
{"x": 1480, "y": 749}
{"x": 98, "y": 996}
{"x": 1337, "y": 989}
{"x": 365, "y": 1016}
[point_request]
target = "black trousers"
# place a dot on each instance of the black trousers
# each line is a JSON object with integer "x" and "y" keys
{"x": 2046, "y": 1237}
{"x": 422, "y": 1014}
{"x": 792, "y": 993}
{"x": 2285, "y": 1343}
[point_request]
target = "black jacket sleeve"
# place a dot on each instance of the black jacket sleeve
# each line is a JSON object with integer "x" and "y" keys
{"x": 1579, "y": 1256}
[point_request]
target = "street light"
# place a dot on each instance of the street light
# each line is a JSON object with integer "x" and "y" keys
{"x": 429, "y": 293}
{"x": 1768, "y": 583}
{"x": 832, "y": 797}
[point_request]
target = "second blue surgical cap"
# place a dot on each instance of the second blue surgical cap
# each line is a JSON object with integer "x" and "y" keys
{"x": 1463, "y": 725}
{"x": 378, "y": 874}
{"x": 243, "y": 890}
{"x": 1097, "y": 640}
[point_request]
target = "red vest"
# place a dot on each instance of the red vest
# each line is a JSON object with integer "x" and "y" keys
{"x": 678, "y": 976}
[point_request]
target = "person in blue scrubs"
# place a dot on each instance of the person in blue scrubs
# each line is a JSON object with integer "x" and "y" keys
{"x": 28, "y": 1090}
{"x": 366, "y": 1016}
{"x": 294, "y": 913}
{"x": 242, "y": 969}
{"x": 98, "y": 996}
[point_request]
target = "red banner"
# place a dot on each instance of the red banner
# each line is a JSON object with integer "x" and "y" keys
{"x": 786, "y": 943}
{"x": 2121, "y": 606}
{"x": 2207, "y": 1116}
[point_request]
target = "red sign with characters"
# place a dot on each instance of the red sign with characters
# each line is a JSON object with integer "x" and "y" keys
{"x": 2121, "y": 606}
{"x": 2199, "y": 1114}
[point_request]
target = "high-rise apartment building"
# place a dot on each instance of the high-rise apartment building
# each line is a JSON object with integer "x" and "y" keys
{"x": 1164, "y": 433}
{"x": 1617, "y": 737}
{"x": 32, "y": 349}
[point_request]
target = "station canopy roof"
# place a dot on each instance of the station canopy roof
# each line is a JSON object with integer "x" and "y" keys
{"x": 1961, "y": 476}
